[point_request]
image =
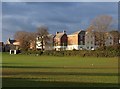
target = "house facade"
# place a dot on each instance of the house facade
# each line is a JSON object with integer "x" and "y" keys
{"x": 40, "y": 43}
{"x": 115, "y": 36}
{"x": 60, "y": 41}
{"x": 49, "y": 44}
{"x": 90, "y": 41}
{"x": 109, "y": 40}
{"x": 76, "y": 40}
{"x": 32, "y": 44}
{"x": 12, "y": 44}
{"x": 46, "y": 45}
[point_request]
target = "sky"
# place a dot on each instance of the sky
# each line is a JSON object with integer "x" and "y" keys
{"x": 57, "y": 16}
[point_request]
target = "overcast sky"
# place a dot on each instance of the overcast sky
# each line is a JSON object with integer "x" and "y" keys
{"x": 58, "y": 16}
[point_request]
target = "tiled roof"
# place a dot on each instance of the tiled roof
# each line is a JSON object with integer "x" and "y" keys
{"x": 12, "y": 41}
{"x": 59, "y": 35}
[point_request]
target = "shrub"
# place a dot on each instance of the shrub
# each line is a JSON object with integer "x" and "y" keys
{"x": 110, "y": 51}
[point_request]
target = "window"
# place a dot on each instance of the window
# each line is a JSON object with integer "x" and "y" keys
{"x": 107, "y": 38}
{"x": 91, "y": 42}
{"x": 110, "y": 37}
{"x": 95, "y": 43}
{"x": 81, "y": 37}
{"x": 81, "y": 48}
{"x": 81, "y": 42}
{"x": 87, "y": 47}
{"x": 92, "y": 48}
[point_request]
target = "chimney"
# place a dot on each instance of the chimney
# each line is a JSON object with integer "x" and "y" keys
{"x": 57, "y": 32}
{"x": 64, "y": 31}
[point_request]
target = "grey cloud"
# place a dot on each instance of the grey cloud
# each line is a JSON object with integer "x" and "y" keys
{"x": 57, "y": 16}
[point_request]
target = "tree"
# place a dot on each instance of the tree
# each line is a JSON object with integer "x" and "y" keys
{"x": 25, "y": 39}
{"x": 101, "y": 25}
{"x": 43, "y": 33}
{"x": 116, "y": 36}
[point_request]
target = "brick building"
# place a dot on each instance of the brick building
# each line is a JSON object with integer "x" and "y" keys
{"x": 60, "y": 41}
{"x": 76, "y": 40}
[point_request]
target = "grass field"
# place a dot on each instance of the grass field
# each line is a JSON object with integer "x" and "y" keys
{"x": 49, "y": 71}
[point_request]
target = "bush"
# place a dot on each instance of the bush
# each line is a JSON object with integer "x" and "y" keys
{"x": 110, "y": 51}
{"x": 32, "y": 52}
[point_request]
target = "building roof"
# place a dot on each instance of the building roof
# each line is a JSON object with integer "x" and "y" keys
{"x": 12, "y": 41}
{"x": 59, "y": 35}
{"x": 76, "y": 32}
{"x": 16, "y": 43}
{"x": 50, "y": 35}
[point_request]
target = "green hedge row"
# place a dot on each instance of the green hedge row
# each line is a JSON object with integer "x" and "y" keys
{"x": 32, "y": 52}
{"x": 111, "y": 51}
{"x": 83, "y": 53}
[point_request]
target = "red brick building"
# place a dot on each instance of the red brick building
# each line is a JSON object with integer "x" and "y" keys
{"x": 76, "y": 40}
{"x": 60, "y": 41}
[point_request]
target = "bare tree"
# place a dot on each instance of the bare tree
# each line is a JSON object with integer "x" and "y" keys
{"x": 42, "y": 32}
{"x": 25, "y": 39}
{"x": 101, "y": 25}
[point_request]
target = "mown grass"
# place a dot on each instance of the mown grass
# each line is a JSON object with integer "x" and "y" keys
{"x": 50, "y": 71}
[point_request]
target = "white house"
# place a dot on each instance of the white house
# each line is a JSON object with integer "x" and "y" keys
{"x": 90, "y": 42}
{"x": 109, "y": 39}
{"x": 46, "y": 46}
{"x": 39, "y": 43}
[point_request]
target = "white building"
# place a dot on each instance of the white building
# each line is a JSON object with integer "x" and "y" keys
{"x": 46, "y": 46}
{"x": 90, "y": 42}
{"x": 39, "y": 43}
{"x": 109, "y": 39}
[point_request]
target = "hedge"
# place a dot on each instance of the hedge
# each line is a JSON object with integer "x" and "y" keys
{"x": 110, "y": 51}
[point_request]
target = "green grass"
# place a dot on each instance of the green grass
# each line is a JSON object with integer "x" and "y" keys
{"x": 42, "y": 71}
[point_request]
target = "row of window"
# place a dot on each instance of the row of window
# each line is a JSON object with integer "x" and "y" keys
{"x": 82, "y": 37}
{"x": 82, "y": 43}
{"x": 58, "y": 44}
{"x": 89, "y": 36}
{"x": 90, "y": 47}
{"x": 90, "y": 42}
